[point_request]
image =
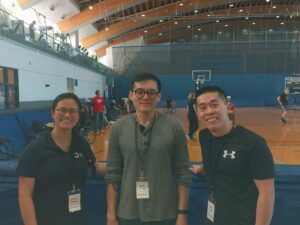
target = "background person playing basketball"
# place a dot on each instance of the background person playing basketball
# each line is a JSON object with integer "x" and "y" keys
{"x": 283, "y": 102}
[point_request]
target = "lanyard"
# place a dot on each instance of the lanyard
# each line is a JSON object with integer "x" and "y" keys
{"x": 142, "y": 154}
{"x": 213, "y": 165}
{"x": 66, "y": 164}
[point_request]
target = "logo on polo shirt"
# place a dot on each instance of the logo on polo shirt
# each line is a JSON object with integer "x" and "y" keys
{"x": 78, "y": 155}
{"x": 229, "y": 153}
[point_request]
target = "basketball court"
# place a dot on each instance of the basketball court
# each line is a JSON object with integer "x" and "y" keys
{"x": 283, "y": 139}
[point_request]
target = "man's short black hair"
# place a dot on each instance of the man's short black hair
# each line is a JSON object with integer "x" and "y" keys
{"x": 143, "y": 77}
{"x": 97, "y": 92}
{"x": 207, "y": 89}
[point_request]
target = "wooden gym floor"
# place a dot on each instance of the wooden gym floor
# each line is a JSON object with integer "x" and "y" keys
{"x": 283, "y": 139}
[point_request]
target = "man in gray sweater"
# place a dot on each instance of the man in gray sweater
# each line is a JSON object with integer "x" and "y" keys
{"x": 147, "y": 163}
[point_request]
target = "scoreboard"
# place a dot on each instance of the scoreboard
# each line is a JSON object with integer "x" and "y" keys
{"x": 293, "y": 84}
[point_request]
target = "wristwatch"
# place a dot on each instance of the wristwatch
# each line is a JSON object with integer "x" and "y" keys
{"x": 182, "y": 211}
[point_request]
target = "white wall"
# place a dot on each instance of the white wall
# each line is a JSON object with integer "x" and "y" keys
{"x": 36, "y": 69}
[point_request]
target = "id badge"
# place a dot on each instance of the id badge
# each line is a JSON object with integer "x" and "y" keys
{"x": 74, "y": 198}
{"x": 142, "y": 188}
{"x": 211, "y": 205}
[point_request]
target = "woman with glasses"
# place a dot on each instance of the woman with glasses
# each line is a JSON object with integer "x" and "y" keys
{"x": 52, "y": 170}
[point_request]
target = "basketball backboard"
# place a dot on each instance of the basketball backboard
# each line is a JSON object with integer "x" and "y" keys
{"x": 201, "y": 74}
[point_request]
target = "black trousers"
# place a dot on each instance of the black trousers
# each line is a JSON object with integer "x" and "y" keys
{"x": 193, "y": 125}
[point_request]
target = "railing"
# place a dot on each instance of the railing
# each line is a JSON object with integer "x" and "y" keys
{"x": 46, "y": 40}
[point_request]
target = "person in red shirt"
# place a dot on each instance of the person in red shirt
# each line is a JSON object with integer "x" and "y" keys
{"x": 231, "y": 108}
{"x": 98, "y": 108}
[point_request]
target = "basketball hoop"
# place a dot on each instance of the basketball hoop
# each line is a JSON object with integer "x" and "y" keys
{"x": 201, "y": 80}
{"x": 204, "y": 74}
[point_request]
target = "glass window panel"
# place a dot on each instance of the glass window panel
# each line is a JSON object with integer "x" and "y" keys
{"x": 11, "y": 76}
{"x": 12, "y": 98}
{"x": 2, "y": 96}
{"x": 1, "y": 75}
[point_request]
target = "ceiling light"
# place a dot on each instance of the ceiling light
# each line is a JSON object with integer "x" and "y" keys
{"x": 199, "y": 29}
{"x": 181, "y": 4}
{"x": 175, "y": 22}
{"x": 267, "y": 0}
{"x": 220, "y": 32}
{"x": 106, "y": 28}
{"x": 217, "y": 21}
{"x": 274, "y": 7}
{"x": 277, "y": 17}
{"x": 231, "y": 5}
{"x": 208, "y": 14}
{"x": 196, "y": 11}
{"x": 188, "y": 26}
{"x": 282, "y": 23}
{"x": 270, "y": 30}
{"x": 253, "y": 23}
{"x": 241, "y": 10}
{"x": 90, "y": 7}
{"x": 246, "y": 18}
{"x": 143, "y": 15}
{"x": 161, "y": 21}
{"x": 145, "y": 31}
{"x": 159, "y": 34}
{"x": 226, "y": 25}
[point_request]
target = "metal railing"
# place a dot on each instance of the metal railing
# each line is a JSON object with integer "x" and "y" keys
{"x": 44, "y": 39}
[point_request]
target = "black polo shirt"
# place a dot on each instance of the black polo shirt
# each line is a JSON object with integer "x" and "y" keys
{"x": 54, "y": 172}
{"x": 237, "y": 159}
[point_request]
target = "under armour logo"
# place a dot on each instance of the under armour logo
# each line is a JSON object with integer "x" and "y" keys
{"x": 78, "y": 155}
{"x": 232, "y": 154}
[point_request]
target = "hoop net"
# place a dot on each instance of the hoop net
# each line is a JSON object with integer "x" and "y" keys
{"x": 200, "y": 79}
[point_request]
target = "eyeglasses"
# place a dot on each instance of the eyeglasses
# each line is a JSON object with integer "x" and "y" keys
{"x": 140, "y": 93}
{"x": 71, "y": 111}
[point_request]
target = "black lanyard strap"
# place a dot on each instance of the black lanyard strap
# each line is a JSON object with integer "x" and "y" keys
{"x": 142, "y": 154}
{"x": 69, "y": 163}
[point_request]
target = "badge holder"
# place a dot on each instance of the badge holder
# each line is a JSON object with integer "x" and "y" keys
{"x": 211, "y": 206}
{"x": 142, "y": 188}
{"x": 74, "y": 200}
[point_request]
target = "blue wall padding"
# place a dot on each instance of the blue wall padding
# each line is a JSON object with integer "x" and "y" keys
{"x": 47, "y": 115}
{"x": 10, "y": 129}
{"x": 28, "y": 116}
{"x": 25, "y": 121}
{"x": 248, "y": 90}
{"x": 287, "y": 202}
{"x": 17, "y": 126}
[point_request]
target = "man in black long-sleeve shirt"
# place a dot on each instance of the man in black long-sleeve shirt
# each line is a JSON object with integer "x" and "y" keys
{"x": 283, "y": 101}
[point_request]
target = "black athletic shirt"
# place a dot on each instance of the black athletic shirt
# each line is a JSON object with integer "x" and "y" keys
{"x": 242, "y": 156}
{"x": 284, "y": 99}
{"x": 51, "y": 166}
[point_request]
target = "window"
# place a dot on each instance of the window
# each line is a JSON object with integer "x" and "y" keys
{"x": 9, "y": 88}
